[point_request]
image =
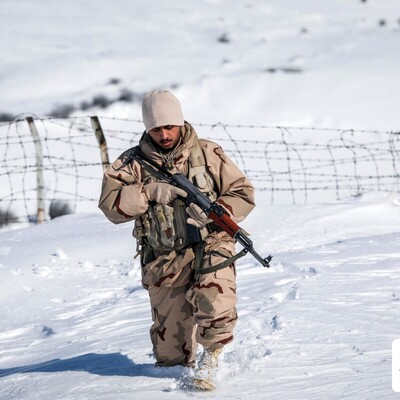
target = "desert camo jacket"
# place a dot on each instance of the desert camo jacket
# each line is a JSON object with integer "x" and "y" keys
{"x": 122, "y": 198}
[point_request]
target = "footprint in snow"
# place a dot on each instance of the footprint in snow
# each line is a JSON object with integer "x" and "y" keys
{"x": 44, "y": 272}
{"x": 59, "y": 253}
{"x": 291, "y": 294}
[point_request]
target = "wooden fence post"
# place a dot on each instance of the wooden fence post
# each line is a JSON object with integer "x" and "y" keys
{"x": 98, "y": 131}
{"x": 39, "y": 170}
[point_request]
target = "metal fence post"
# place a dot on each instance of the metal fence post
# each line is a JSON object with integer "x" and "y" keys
{"x": 98, "y": 131}
{"x": 39, "y": 170}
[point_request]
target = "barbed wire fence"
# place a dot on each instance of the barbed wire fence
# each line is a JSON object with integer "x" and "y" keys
{"x": 50, "y": 163}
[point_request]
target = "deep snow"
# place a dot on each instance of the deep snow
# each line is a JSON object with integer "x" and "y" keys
{"x": 331, "y": 63}
{"x": 320, "y": 323}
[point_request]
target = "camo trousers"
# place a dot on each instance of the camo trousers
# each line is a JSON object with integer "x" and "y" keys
{"x": 200, "y": 309}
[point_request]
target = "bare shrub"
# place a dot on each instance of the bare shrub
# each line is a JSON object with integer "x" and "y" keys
{"x": 224, "y": 38}
{"x": 101, "y": 101}
{"x": 114, "y": 81}
{"x": 126, "y": 95}
{"x": 7, "y": 217}
{"x": 59, "y": 208}
{"x": 6, "y": 117}
{"x": 62, "y": 111}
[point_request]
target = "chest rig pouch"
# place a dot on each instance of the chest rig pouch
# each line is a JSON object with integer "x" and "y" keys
{"x": 163, "y": 228}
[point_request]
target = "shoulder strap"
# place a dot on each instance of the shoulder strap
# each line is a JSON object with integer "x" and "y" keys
{"x": 196, "y": 157}
{"x": 198, "y": 171}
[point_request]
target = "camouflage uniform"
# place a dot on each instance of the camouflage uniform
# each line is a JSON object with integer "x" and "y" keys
{"x": 189, "y": 305}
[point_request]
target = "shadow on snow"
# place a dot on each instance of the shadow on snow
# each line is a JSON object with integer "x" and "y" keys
{"x": 98, "y": 364}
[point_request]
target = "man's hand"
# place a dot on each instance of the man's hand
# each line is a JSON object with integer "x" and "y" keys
{"x": 197, "y": 216}
{"x": 162, "y": 193}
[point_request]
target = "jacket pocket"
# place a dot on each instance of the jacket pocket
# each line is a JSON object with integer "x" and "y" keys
{"x": 171, "y": 270}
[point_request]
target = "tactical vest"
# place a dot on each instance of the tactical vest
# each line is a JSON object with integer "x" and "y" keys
{"x": 163, "y": 228}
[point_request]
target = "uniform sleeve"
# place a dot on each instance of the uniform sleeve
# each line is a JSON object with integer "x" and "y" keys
{"x": 236, "y": 193}
{"x": 122, "y": 198}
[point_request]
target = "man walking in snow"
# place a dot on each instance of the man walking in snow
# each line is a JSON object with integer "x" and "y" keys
{"x": 186, "y": 260}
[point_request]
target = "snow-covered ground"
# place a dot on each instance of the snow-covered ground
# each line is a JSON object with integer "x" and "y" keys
{"x": 320, "y": 322}
{"x": 331, "y": 63}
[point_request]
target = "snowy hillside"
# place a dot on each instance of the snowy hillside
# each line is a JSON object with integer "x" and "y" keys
{"x": 331, "y": 63}
{"x": 319, "y": 324}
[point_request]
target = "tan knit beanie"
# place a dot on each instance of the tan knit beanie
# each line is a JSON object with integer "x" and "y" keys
{"x": 160, "y": 108}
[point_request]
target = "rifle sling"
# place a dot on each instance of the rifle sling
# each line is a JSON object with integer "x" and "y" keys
{"x": 199, "y": 252}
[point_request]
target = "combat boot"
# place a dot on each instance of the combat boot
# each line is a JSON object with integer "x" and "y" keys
{"x": 206, "y": 372}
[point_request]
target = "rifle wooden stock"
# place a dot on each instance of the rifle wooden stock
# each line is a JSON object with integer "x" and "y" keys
{"x": 226, "y": 223}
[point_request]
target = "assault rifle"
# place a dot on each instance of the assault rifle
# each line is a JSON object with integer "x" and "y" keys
{"x": 212, "y": 209}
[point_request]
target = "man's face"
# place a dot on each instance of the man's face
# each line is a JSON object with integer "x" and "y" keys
{"x": 166, "y": 137}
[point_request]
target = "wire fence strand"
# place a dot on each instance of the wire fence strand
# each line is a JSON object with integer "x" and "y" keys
{"x": 286, "y": 164}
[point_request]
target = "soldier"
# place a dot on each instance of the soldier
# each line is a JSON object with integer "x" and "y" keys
{"x": 178, "y": 243}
